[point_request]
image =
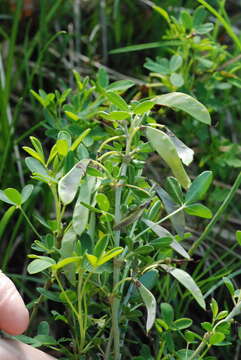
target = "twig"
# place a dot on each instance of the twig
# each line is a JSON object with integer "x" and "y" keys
{"x": 229, "y": 62}
{"x": 98, "y": 65}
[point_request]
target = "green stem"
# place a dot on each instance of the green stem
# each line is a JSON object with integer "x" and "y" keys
{"x": 83, "y": 315}
{"x": 80, "y": 314}
{"x": 160, "y": 352}
{"x": 200, "y": 346}
{"x": 108, "y": 347}
{"x": 29, "y": 222}
{"x": 121, "y": 282}
{"x": 66, "y": 296}
{"x": 116, "y": 269}
{"x": 59, "y": 215}
{"x": 159, "y": 222}
{"x": 103, "y": 167}
{"x": 217, "y": 215}
{"x": 205, "y": 351}
{"x": 47, "y": 285}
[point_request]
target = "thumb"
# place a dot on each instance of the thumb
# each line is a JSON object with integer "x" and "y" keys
{"x": 14, "y": 316}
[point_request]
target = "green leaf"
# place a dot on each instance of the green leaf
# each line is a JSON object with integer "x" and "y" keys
{"x": 161, "y": 324}
{"x": 65, "y": 135}
{"x": 131, "y": 217}
{"x": 214, "y": 308}
{"x": 177, "y": 220}
{"x": 167, "y": 313}
{"x": 94, "y": 172}
{"x": 117, "y": 100}
{"x": 72, "y": 116}
{"x": 116, "y": 115}
{"x": 51, "y": 295}
{"x": 82, "y": 152}
{"x": 162, "y": 143}
{"x": 53, "y": 153}
{"x": 46, "y": 340}
{"x": 163, "y": 233}
{"x": 222, "y": 315}
{"x": 43, "y": 328}
{"x": 72, "y": 295}
{"x": 235, "y": 82}
{"x": 175, "y": 63}
{"x": 79, "y": 139}
{"x": 198, "y": 210}
{"x": 33, "y": 153}
{"x": 69, "y": 184}
{"x": 199, "y": 16}
{"x": 177, "y": 80}
{"x": 229, "y": 285}
{"x": 185, "y": 354}
{"x": 204, "y": 28}
{"x": 207, "y": 326}
{"x": 120, "y": 85}
{"x": 88, "y": 141}
{"x": 81, "y": 212}
{"x": 216, "y": 338}
{"x": 39, "y": 265}
{"x": 186, "y": 19}
{"x": 184, "y": 152}
{"x": 26, "y": 192}
{"x": 13, "y": 195}
{"x": 238, "y": 236}
{"x": 36, "y": 167}
{"x": 143, "y": 107}
{"x": 109, "y": 255}
{"x": 187, "y": 281}
{"x": 4, "y": 198}
{"x": 5, "y": 218}
{"x": 101, "y": 246}
{"x": 67, "y": 250}
{"x": 185, "y": 103}
{"x": 191, "y": 336}
{"x": 199, "y": 187}
{"x": 39, "y": 98}
{"x": 174, "y": 189}
{"x": 92, "y": 259}
{"x": 62, "y": 147}
{"x": 148, "y": 279}
{"x": 28, "y": 340}
{"x": 182, "y": 323}
{"x": 38, "y": 147}
{"x": 102, "y": 77}
{"x": 161, "y": 66}
{"x": 78, "y": 81}
{"x": 150, "y": 303}
{"x": 143, "y": 250}
{"x": 69, "y": 260}
{"x": 103, "y": 202}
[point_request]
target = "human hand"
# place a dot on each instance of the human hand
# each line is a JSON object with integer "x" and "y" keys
{"x": 14, "y": 320}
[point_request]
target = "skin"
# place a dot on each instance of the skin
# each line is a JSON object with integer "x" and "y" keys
{"x": 14, "y": 320}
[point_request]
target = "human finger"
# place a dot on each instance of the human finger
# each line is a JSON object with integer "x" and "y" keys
{"x": 16, "y": 350}
{"x": 14, "y": 316}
